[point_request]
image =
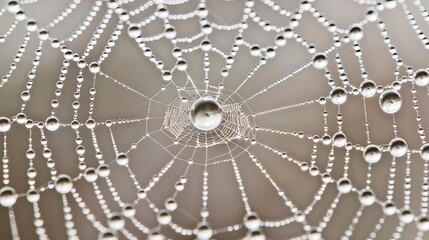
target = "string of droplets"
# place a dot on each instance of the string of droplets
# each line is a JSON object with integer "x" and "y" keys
{"x": 390, "y": 101}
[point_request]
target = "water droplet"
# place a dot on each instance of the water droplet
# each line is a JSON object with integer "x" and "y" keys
{"x": 103, "y": 170}
{"x": 314, "y": 234}
{"x": 344, "y": 185}
{"x": 280, "y": 40}
{"x": 355, "y": 33}
{"x": 204, "y": 212}
{"x": 255, "y": 235}
{"x": 171, "y": 204}
{"x": 170, "y": 32}
{"x": 162, "y": 11}
{"x": 398, "y": 147}
{"x": 255, "y": 51}
{"x": 390, "y": 101}
{"x": 43, "y": 34}
{"x": 326, "y": 177}
{"x": 179, "y": 186}
{"x": 5, "y": 124}
{"x": 202, "y": 11}
{"x": 299, "y": 216}
{"x": 30, "y": 154}
{"x": 167, "y": 76}
{"x": 31, "y": 25}
{"x": 112, "y": 4}
{"x": 75, "y": 124}
{"x": 141, "y": 194}
{"x": 8, "y": 196}
{"x": 63, "y": 184}
{"x": 320, "y": 61}
{"x": 371, "y": 14}
{"x": 206, "y": 114}
{"x": 12, "y": 6}
{"x": 367, "y": 197}
{"x": 31, "y": 172}
{"x": 115, "y": 221}
{"x": 339, "y": 139}
{"x": 155, "y": 235}
{"x": 423, "y": 224}
{"x": 389, "y": 208}
{"x": 204, "y": 232}
{"x": 124, "y": 16}
{"x": 129, "y": 210}
{"x": 94, "y": 67}
{"x": 424, "y": 152}
{"x": 25, "y": 95}
{"x": 368, "y": 88}
{"x": 182, "y": 65}
{"x": 163, "y": 217}
{"x": 107, "y": 235}
{"x": 134, "y": 31}
{"x": 406, "y": 215}
{"x": 338, "y": 95}
{"x": 52, "y": 123}
{"x": 421, "y": 77}
{"x": 390, "y": 4}
{"x": 326, "y": 139}
{"x": 90, "y": 174}
{"x": 122, "y": 159}
{"x": 251, "y": 221}
{"x": 20, "y": 15}
{"x": 21, "y": 118}
{"x": 372, "y": 153}
{"x": 90, "y": 123}
{"x": 206, "y": 45}
{"x": 33, "y": 196}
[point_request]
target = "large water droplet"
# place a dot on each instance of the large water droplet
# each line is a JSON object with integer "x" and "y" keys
{"x": 344, "y": 185}
{"x": 338, "y": 95}
{"x": 33, "y": 195}
{"x": 107, "y": 235}
{"x": 163, "y": 217}
{"x": 421, "y": 77}
{"x": 115, "y": 221}
{"x": 5, "y": 124}
{"x": 398, "y": 147}
{"x": 339, "y": 139}
{"x": 171, "y": 204}
{"x": 389, "y": 208}
{"x": 367, "y": 197}
{"x": 251, "y": 221}
{"x": 206, "y": 114}
{"x": 368, "y": 88}
{"x": 424, "y": 152}
{"x": 406, "y": 215}
{"x": 52, "y": 123}
{"x": 134, "y": 31}
{"x": 90, "y": 174}
{"x": 320, "y": 61}
{"x": 129, "y": 210}
{"x": 8, "y": 196}
{"x": 355, "y": 33}
{"x": 204, "y": 232}
{"x": 122, "y": 159}
{"x": 372, "y": 153}
{"x": 423, "y": 224}
{"x": 390, "y": 101}
{"x": 63, "y": 184}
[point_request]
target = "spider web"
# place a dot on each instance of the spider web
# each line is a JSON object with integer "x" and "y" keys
{"x": 312, "y": 143}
